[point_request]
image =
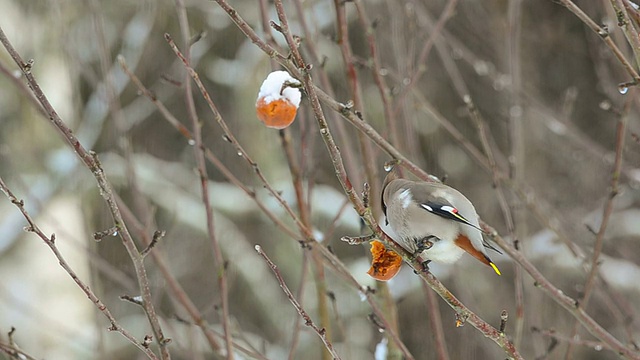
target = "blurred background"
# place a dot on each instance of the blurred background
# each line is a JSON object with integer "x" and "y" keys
{"x": 547, "y": 92}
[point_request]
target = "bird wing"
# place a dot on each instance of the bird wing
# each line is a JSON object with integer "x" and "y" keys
{"x": 443, "y": 208}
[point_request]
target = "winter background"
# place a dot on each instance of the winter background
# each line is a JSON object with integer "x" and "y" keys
{"x": 546, "y": 87}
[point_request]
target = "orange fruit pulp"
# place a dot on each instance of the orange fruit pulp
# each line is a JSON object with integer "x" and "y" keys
{"x": 276, "y": 114}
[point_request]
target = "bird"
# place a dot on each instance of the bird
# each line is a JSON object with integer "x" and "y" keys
{"x": 433, "y": 221}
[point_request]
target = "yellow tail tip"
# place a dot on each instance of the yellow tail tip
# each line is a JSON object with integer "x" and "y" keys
{"x": 495, "y": 268}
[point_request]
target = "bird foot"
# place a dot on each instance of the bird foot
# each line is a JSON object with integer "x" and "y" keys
{"x": 425, "y": 243}
{"x": 425, "y": 267}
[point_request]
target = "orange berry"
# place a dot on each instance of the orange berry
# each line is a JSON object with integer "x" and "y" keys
{"x": 276, "y": 114}
{"x": 278, "y": 100}
{"x": 385, "y": 264}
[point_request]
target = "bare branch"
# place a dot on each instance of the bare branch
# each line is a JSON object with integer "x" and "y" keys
{"x": 307, "y": 319}
{"x": 199, "y": 154}
{"x": 50, "y": 242}
{"x": 568, "y": 303}
{"x": 90, "y": 160}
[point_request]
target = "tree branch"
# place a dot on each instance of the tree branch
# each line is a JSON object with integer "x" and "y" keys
{"x": 90, "y": 160}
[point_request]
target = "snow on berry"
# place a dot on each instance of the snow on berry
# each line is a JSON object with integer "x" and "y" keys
{"x": 278, "y": 101}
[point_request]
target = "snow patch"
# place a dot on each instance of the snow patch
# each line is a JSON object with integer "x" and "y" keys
{"x": 273, "y": 85}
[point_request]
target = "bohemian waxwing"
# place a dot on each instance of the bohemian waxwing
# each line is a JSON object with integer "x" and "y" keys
{"x": 433, "y": 221}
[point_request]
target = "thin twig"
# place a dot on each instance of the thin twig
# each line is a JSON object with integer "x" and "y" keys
{"x": 342, "y": 136}
{"x": 321, "y": 287}
{"x": 157, "y": 235}
{"x": 22, "y": 87}
{"x": 606, "y": 215}
{"x": 372, "y": 184}
{"x": 315, "y": 105}
{"x": 568, "y": 303}
{"x": 336, "y": 106}
{"x": 596, "y": 345}
{"x": 463, "y": 313}
{"x": 247, "y": 348}
{"x": 328, "y": 232}
{"x": 367, "y": 292}
{"x": 302, "y": 69}
{"x": 376, "y": 72}
{"x": 50, "y": 242}
{"x": 523, "y": 192}
{"x": 12, "y": 348}
{"x": 604, "y": 35}
{"x": 355, "y": 93}
{"x": 232, "y": 139}
{"x": 109, "y": 87}
{"x": 266, "y": 28}
{"x": 186, "y": 133}
{"x": 307, "y": 319}
{"x": 435, "y": 321}
{"x": 14, "y": 352}
{"x": 174, "y": 287}
{"x": 466, "y": 315}
{"x": 220, "y": 270}
{"x": 517, "y": 228}
{"x": 116, "y": 113}
{"x": 630, "y": 32}
{"x": 303, "y": 281}
{"x": 304, "y": 209}
{"x": 481, "y": 124}
{"x": 90, "y": 160}
{"x": 421, "y": 67}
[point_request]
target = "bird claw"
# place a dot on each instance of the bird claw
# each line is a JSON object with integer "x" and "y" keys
{"x": 425, "y": 243}
{"x": 425, "y": 267}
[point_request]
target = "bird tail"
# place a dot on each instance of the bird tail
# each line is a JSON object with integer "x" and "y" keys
{"x": 464, "y": 243}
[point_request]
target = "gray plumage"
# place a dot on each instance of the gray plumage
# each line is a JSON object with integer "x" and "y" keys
{"x": 434, "y": 211}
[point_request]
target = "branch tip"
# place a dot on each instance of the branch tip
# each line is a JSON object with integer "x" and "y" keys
{"x": 148, "y": 339}
{"x": 503, "y": 321}
{"x": 157, "y": 235}
{"x": 137, "y": 300}
{"x": 26, "y": 67}
{"x": 275, "y": 26}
